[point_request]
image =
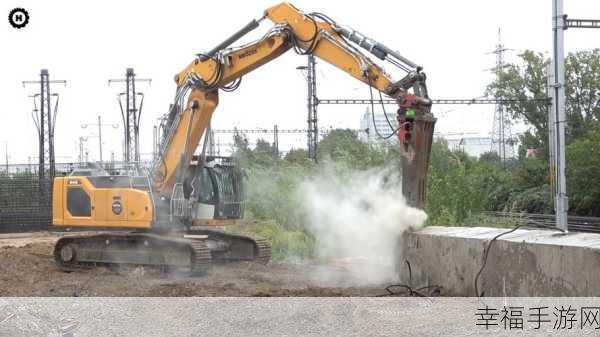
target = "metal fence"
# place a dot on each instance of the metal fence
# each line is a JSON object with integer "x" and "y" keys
{"x": 575, "y": 223}
{"x": 25, "y": 202}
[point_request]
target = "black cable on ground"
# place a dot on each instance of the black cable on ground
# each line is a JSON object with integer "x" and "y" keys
{"x": 436, "y": 290}
{"x": 418, "y": 292}
{"x": 486, "y": 253}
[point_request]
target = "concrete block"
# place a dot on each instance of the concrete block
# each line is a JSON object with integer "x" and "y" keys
{"x": 523, "y": 263}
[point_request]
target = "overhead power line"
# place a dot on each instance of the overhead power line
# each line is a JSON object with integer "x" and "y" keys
{"x": 443, "y": 101}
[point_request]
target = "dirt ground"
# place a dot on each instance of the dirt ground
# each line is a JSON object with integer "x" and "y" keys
{"x": 27, "y": 269}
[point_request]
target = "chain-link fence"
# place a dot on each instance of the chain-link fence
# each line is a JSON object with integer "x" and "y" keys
{"x": 25, "y": 202}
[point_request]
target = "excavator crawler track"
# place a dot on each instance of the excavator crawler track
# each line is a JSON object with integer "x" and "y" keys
{"x": 239, "y": 247}
{"x": 202, "y": 258}
{"x": 264, "y": 251}
{"x": 118, "y": 249}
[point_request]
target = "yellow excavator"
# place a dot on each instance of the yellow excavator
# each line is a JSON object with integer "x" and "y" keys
{"x": 172, "y": 217}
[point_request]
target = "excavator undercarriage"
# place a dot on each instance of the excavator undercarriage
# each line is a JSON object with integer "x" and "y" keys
{"x": 192, "y": 253}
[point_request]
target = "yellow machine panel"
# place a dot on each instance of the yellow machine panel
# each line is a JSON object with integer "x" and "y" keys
{"x": 57, "y": 202}
{"x": 100, "y": 202}
{"x": 100, "y": 198}
{"x": 139, "y": 206}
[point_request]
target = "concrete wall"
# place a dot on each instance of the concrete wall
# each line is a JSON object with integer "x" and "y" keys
{"x": 523, "y": 263}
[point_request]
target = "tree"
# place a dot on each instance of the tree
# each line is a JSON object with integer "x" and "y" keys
{"x": 264, "y": 154}
{"x": 452, "y": 192}
{"x": 583, "y": 174}
{"x": 490, "y": 157}
{"x": 529, "y": 187}
{"x": 343, "y": 145}
{"x": 241, "y": 149}
{"x": 583, "y": 91}
{"x": 526, "y": 81}
{"x": 298, "y": 157}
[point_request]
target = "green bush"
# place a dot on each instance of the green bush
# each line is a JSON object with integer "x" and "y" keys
{"x": 453, "y": 188}
{"x": 286, "y": 244}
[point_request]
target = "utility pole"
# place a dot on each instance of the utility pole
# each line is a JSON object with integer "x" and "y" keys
{"x": 560, "y": 23}
{"x": 551, "y": 134}
{"x": 275, "y": 141}
{"x": 81, "y": 151}
{"x": 558, "y": 110}
{"x": 501, "y": 134}
{"x": 131, "y": 114}
{"x": 100, "y": 125}
{"x": 211, "y": 142}
{"x": 312, "y": 131}
{"x": 45, "y": 123}
{"x": 100, "y": 138}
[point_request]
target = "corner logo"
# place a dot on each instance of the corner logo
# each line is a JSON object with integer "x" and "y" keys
{"x": 18, "y": 18}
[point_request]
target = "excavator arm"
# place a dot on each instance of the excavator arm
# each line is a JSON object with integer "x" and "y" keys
{"x": 224, "y": 66}
{"x": 293, "y": 28}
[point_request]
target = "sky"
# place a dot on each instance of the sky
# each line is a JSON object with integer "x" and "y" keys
{"x": 87, "y": 43}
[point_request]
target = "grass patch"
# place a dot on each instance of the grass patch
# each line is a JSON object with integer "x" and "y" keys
{"x": 287, "y": 244}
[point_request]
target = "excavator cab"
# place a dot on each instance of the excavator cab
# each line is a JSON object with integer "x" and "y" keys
{"x": 216, "y": 189}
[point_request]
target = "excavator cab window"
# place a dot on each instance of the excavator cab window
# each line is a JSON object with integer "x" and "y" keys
{"x": 229, "y": 185}
{"x": 78, "y": 202}
{"x": 220, "y": 184}
{"x": 207, "y": 194}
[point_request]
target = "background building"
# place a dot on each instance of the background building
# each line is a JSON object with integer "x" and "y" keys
{"x": 367, "y": 132}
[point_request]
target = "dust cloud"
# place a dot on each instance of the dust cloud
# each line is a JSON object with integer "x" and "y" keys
{"x": 357, "y": 218}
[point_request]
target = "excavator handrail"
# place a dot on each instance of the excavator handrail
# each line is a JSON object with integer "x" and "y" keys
{"x": 151, "y": 197}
